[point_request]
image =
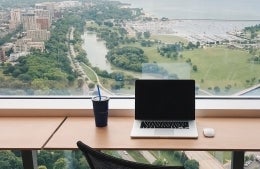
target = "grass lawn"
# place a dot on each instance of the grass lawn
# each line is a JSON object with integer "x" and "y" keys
{"x": 217, "y": 66}
{"x": 89, "y": 73}
{"x": 169, "y": 39}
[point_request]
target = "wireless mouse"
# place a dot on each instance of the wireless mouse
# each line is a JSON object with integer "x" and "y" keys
{"x": 209, "y": 132}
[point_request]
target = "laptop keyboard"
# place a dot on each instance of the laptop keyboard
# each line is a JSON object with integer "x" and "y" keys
{"x": 165, "y": 124}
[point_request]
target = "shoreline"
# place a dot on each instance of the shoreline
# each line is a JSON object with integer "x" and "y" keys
{"x": 193, "y": 30}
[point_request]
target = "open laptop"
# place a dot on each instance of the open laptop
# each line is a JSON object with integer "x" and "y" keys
{"x": 164, "y": 109}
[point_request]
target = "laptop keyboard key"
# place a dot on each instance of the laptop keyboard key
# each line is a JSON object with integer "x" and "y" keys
{"x": 165, "y": 124}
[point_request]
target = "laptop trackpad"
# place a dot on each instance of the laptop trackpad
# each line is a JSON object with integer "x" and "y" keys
{"x": 163, "y": 132}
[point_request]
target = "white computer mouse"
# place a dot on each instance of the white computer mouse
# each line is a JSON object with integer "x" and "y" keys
{"x": 209, "y": 132}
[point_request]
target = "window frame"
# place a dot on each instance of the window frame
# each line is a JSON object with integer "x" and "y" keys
{"x": 215, "y": 106}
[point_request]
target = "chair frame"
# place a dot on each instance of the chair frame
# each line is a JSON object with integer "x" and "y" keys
{"x": 87, "y": 151}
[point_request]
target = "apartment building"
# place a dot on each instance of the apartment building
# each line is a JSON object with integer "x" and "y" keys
{"x": 15, "y": 15}
{"x": 38, "y": 35}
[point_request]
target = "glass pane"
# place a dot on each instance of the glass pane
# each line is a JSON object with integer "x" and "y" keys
{"x": 252, "y": 160}
{"x": 68, "y": 47}
{"x": 202, "y": 159}
{"x": 190, "y": 159}
{"x": 11, "y": 159}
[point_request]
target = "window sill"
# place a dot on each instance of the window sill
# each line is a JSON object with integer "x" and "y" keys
{"x": 209, "y": 107}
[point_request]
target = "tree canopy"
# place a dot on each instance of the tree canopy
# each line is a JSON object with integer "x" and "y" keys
{"x": 130, "y": 58}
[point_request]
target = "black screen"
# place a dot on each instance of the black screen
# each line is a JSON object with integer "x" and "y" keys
{"x": 165, "y": 99}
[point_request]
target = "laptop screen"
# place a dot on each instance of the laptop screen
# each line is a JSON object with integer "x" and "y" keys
{"x": 165, "y": 99}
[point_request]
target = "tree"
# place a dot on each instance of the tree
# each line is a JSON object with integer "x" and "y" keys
{"x": 25, "y": 77}
{"x": 190, "y": 46}
{"x": 128, "y": 58}
{"x": 217, "y": 89}
{"x": 61, "y": 163}
{"x": 158, "y": 162}
{"x": 138, "y": 35}
{"x": 147, "y": 34}
{"x": 195, "y": 68}
{"x": 197, "y": 44}
{"x": 91, "y": 85}
{"x": 191, "y": 164}
{"x": 83, "y": 164}
{"x": 9, "y": 160}
{"x": 42, "y": 167}
{"x": 80, "y": 83}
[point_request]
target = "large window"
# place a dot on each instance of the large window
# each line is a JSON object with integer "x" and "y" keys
{"x": 53, "y": 48}
{"x": 68, "y": 47}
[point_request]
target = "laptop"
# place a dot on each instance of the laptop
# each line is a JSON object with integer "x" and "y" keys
{"x": 164, "y": 109}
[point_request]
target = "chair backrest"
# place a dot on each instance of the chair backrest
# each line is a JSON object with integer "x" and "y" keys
{"x": 99, "y": 160}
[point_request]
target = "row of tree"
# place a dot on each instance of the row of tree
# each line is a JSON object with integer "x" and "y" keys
{"x": 253, "y": 30}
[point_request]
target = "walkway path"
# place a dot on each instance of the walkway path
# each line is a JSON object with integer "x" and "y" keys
{"x": 148, "y": 156}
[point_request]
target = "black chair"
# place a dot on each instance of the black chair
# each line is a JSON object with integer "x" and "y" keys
{"x": 99, "y": 160}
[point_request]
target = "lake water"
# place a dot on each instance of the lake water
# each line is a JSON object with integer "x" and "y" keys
{"x": 200, "y": 9}
{"x": 96, "y": 51}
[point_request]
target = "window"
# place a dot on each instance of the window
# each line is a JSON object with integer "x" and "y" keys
{"x": 67, "y": 47}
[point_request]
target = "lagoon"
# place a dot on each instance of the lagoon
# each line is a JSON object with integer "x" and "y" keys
{"x": 96, "y": 51}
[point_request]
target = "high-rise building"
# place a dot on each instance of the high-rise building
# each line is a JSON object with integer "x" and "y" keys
{"x": 43, "y": 23}
{"x": 43, "y": 19}
{"x": 38, "y": 35}
{"x": 26, "y": 44}
{"x": 46, "y": 6}
{"x": 29, "y": 21}
{"x": 21, "y": 45}
{"x": 15, "y": 18}
{"x": 2, "y": 55}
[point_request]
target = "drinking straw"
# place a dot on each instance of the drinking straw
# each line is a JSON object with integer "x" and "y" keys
{"x": 99, "y": 94}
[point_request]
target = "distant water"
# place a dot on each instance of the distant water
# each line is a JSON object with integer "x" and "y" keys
{"x": 201, "y": 9}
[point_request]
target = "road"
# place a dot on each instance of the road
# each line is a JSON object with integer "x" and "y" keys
{"x": 125, "y": 156}
{"x": 206, "y": 160}
{"x": 148, "y": 156}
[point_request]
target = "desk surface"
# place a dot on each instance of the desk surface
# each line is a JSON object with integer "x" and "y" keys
{"x": 231, "y": 134}
{"x": 27, "y": 132}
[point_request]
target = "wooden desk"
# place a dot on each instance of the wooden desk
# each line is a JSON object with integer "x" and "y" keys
{"x": 27, "y": 134}
{"x": 238, "y": 134}
{"x": 232, "y": 134}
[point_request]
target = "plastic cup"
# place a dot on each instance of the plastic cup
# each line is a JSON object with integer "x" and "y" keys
{"x": 100, "y": 109}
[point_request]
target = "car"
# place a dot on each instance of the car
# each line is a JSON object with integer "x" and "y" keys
{"x": 247, "y": 163}
{"x": 257, "y": 157}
